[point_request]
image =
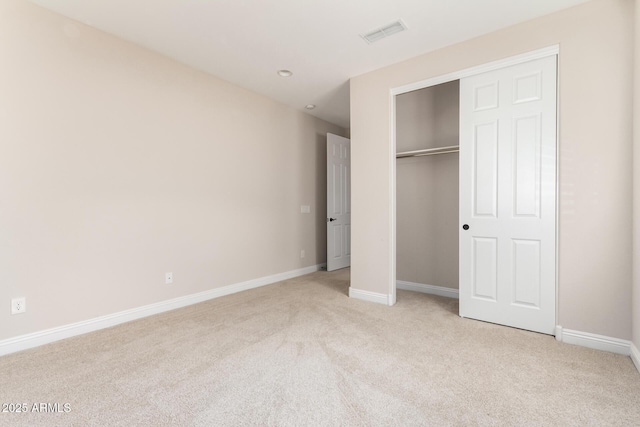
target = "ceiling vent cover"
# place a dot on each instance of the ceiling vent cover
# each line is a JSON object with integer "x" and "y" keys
{"x": 386, "y": 31}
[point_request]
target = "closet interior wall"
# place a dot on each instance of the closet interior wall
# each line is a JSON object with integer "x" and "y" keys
{"x": 427, "y": 187}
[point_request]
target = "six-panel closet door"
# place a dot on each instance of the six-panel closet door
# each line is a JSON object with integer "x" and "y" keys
{"x": 508, "y": 196}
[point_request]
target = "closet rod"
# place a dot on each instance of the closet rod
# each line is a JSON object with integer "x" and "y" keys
{"x": 429, "y": 151}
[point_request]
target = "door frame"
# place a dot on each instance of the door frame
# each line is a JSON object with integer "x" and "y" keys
{"x": 445, "y": 78}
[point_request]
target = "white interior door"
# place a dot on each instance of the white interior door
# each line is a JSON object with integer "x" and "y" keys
{"x": 508, "y": 196}
{"x": 338, "y": 202}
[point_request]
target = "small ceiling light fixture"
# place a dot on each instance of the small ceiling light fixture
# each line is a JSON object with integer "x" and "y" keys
{"x": 285, "y": 73}
{"x": 310, "y": 106}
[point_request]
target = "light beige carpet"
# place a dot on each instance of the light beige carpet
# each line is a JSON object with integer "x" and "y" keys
{"x": 300, "y": 352}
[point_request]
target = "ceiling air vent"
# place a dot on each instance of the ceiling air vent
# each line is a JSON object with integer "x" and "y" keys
{"x": 386, "y": 31}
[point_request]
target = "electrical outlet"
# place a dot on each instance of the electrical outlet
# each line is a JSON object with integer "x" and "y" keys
{"x": 302, "y": 253}
{"x": 168, "y": 278}
{"x": 18, "y": 305}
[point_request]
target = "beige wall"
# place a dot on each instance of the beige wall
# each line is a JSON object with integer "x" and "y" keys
{"x": 428, "y": 117}
{"x": 596, "y": 55}
{"x": 427, "y": 187}
{"x": 118, "y": 165}
{"x": 636, "y": 183}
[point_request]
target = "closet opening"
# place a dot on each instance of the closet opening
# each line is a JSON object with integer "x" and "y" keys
{"x": 479, "y": 224}
{"x": 427, "y": 189}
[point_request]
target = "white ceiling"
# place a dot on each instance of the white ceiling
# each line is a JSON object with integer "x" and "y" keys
{"x": 247, "y": 41}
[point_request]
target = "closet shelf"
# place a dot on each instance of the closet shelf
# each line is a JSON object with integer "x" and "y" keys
{"x": 429, "y": 151}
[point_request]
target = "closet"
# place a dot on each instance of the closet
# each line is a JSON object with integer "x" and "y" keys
{"x": 427, "y": 128}
{"x": 476, "y": 191}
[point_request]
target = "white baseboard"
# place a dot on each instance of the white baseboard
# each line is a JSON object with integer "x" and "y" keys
{"x": 36, "y": 339}
{"x": 597, "y": 342}
{"x": 428, "y": 289}
{"x": 635, "y": 356}
{"x": 369, "y": 296}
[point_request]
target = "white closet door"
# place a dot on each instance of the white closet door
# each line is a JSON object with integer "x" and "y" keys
{"x": 508, "y": 196}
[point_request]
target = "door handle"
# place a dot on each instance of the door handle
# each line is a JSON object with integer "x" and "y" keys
{"x": 332, "y": 219}
{"x": 465, "y": 227}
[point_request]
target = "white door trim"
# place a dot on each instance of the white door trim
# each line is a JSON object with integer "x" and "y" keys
{"x": 456, "y": 75}
{"x": 479, "y": 69}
